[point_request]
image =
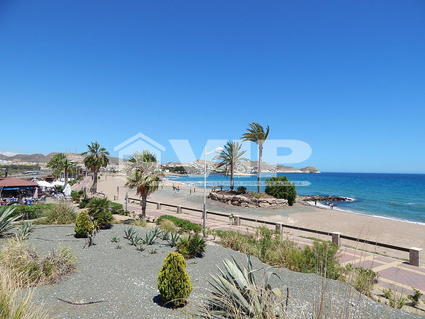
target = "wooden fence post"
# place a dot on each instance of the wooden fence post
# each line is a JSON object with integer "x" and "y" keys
{"x": 336, "y": 238}
{"x": 414, "y": 256}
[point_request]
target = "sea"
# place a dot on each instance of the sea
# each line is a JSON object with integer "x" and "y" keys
{"x": 394, "y": 196}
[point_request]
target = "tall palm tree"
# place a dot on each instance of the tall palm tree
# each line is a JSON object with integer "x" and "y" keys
{"x": 68, "y": 167}
{"x": 96, "y": 157}
{"x": 229, "y": 158}
{"x": 257, "y": 134}
{"x": 143, "y": 175}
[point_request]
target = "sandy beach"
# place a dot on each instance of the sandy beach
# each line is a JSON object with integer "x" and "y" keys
{"x": 379, "y": 229}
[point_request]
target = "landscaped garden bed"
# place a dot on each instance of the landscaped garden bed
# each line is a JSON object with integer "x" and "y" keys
{"x": 81, "y": 264}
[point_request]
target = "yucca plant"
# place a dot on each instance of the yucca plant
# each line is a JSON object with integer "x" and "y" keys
{"x": 236, "y": 293}
{"x": 24, "y": 231}
{"x": 173, "y": 240}
{"x": 7, "y": 219}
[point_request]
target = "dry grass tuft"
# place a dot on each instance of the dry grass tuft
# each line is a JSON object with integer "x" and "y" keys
{"x": 15, "y": 304}
{"x": 29, "y": 269}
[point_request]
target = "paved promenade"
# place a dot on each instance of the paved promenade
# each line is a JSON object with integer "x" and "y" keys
{"x": 393, "y": 273}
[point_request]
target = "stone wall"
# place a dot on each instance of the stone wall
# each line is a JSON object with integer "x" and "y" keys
{"x": 247, "y": 201}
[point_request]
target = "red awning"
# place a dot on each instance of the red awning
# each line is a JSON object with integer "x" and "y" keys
{"x": 16, "y": 182}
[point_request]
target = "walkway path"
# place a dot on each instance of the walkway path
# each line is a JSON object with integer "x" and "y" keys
{"x": 393, "y": 273}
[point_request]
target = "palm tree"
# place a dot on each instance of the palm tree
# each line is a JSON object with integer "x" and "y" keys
{"x": 257, "y": 134}
{"x": 68, "y": 167}
{"x": 96, "y": 157}
{"x": 143, "y": 175}
{"x": 229, "y": 158}
{"x": 56, "y": 164}
{"x": 59, "y": 163}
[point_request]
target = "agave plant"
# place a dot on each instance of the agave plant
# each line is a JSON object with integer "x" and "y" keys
{"x": 165, "y": 236}
{"x": 136, "y": 240}
{"x": 24, "y": 231}
{"x": 173, "y": 239}
{"x": 7, "y": 219}
{"x": 129, "y": 232}
{"x": 236, "y": 293}
{"x": 151, "y": 236}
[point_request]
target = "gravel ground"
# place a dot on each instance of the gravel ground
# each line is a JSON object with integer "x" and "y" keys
{"x": 121, "y": 283}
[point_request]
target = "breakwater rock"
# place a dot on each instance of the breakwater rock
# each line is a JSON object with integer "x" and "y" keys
{"x": 247, "y": 200}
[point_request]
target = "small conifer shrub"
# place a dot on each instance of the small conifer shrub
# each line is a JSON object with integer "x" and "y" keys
{"x": 83, "y": 225}
{"x": 174, "y": 283}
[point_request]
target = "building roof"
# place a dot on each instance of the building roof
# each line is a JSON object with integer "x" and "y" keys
{"x": 16, "y": 182}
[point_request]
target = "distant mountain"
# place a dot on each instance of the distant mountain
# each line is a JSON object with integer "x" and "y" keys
{"x": 245, "y": 167}
{"x": 43, "y": 159}
{"x": 8, "y": 153}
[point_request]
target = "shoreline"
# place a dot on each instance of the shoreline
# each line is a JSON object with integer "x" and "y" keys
{"x": 375, "y": 228}
{"x": 320, "y": 206}
{"x": 350, "y": 211}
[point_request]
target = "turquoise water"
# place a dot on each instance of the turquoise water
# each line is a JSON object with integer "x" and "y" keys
{"x": 400, "y": 196}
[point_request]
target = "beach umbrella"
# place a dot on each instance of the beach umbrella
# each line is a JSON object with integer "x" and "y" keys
{"x": 67, "y": 190}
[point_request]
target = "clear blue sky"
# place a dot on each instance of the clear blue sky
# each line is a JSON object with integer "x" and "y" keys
{"x": 345, "y": 76}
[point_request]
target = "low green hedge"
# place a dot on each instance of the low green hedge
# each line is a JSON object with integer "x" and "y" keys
{"x": 117, "y": 208}
{"x": 31, "y": 211}
{"x": 184, "y": 225}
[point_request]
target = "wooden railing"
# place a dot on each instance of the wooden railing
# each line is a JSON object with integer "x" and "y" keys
{"x": 414, "y": 253}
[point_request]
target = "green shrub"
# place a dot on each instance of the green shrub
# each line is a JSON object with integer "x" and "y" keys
{"x": 320, "y": 259}
{"x": 193, "y": 246}
{"x": 415, "y": 298}
{"x": 32, "y": 211}
{"x": 361, "y": 279}
{"x": 174, "y": 283}
{"x": 76, "y": 195}
{"x": 98, "y": 209}
{"x": 116, "y": 208}
{"x": 84, "y": 202}
{"x": 184, "y": 225}
{"x": 61, "y": 213}
{"x": 83, "y": 225}
{"x": 270, "y": 249}
{"x": 395, "y": 299}
{"x": 281, "y": 187}
{"x": 241, "y": 190}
